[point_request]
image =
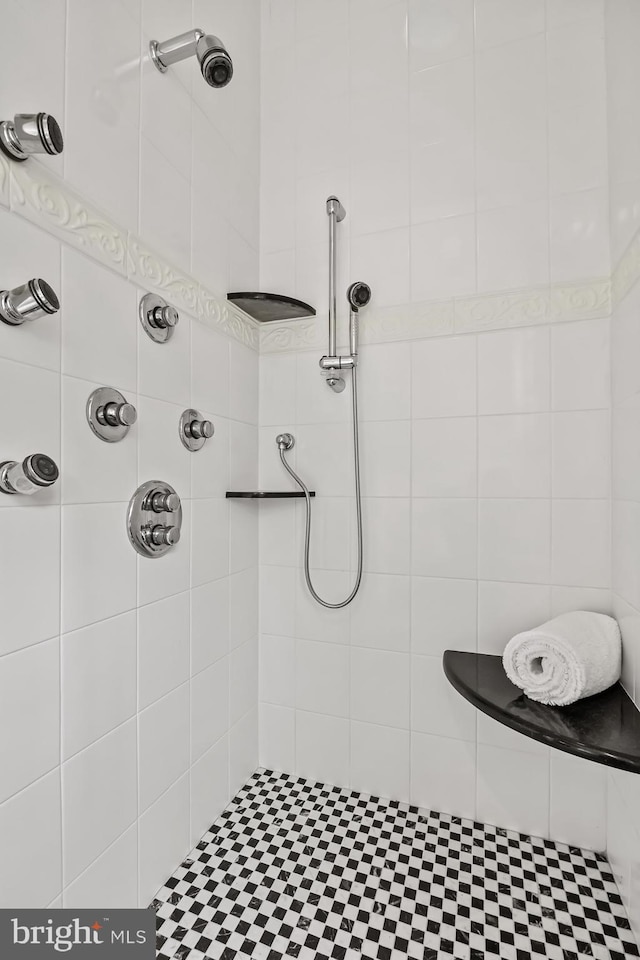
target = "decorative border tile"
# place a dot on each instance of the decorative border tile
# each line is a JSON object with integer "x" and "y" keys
{"x": 40, "y": 196}
{"x": 416, "y": 321}
{"x": 627, "y": 272}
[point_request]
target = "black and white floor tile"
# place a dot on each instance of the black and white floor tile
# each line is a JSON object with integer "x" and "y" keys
{"x": 299, "y": 869}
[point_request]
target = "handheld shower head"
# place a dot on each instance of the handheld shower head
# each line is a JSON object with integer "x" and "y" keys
{"x": 215, "y": 63}
{"x": 358, "y": 295}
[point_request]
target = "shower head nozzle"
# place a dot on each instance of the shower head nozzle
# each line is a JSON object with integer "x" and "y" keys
{"x": 215, "y": 63}
{"x": 358, "y": 295}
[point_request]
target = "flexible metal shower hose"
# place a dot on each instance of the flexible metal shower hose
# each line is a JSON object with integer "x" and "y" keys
{"x": 303, "y": 487}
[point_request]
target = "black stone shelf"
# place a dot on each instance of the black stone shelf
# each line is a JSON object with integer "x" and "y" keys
{"x": 266, "y": 494}
{"x": 268, "y": 307}
{"x": 604, "y": 728}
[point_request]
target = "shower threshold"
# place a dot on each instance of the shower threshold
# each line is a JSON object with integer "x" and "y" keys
{"x": 294, "y": 868}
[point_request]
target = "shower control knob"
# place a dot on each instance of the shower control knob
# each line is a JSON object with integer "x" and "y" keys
{"x": 117, "y": 414}
{"x": 158, "y": 317}
{"x": 30, "y": 133}
{"x": 109, "y": 414}
{"x": 165, "y": 536}
{"x": 164, "y": 317}
{"x": 195, "y": 430}
{"x": 165, "y": 502}
{"x": 31, "y": 301}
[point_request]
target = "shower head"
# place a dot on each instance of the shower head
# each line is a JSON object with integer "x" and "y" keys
{"x": 215, "y": 63}
{"x": 358, "y": 295}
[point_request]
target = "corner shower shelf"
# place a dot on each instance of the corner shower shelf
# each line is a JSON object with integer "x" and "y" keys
{"x": 266, "y": 494}
{"x": 268, "y": 307}
{"x": 604, "y": 728}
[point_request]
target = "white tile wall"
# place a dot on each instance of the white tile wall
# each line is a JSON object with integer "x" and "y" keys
{"x": 622, "y": 32}
{"x": 485, "y": 457}
{"x": 108, "y": 664}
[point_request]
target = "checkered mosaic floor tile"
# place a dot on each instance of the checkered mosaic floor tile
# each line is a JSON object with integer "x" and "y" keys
{"x": 300, "y": 869}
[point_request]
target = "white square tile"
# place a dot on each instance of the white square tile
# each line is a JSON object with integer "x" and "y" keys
{"x": 443, "y": 377}
{"x": 444, "y": 457}
{"x": 90, "y": 710}
{"x": 575, "y": 57}
{"x": 322, "y": 747}
{"x": 277, "y": 670}
{"x": 578, "y": 157}
{"x": 332, "y": 477}
{"x": 99, "y": 787}
{"x": 513, "y": 790}
{"x": 210, "y": 468}
{"x": 515, "y": 455}
{"x": 583, "y": 385}
{"x": 437, "y": 708}
{"x": 380, "y": 687}
{"x": 578, "y": 814}
{"x": 442, "y": 179}
{"x": 581, "y": 461}
{"x": 111, "y": 880}
{"x": 379, "y": 35}
{"x": 387, "y": 547}
{"x": 386, "y": 456}
{"x": 383, "y": 260}
{"x": 380, "y": 761}
{"x": 443, "y": 539}
{"x": 379, "y": 178}
{"x": 243, "y": 750}
{"x": 495, "y": 734}
{"x": 164, "y": 838}
{"x": 514, "y": 540}
{"x": 243, "y": 535}
{"x": 209, "y": 707}
{"x": 167, "y": 105}
{"x": 209, "y": 540}
{"x": 165, "y": 208}
{"x": 25, "y": 572}
{"x": 502, "y": 21}
{"x": 513, "y": 371}
{"x": 581, "y": 537}
{"x": 209, "y": 788}
{"x": 443, "y": 258}
{"x": 333, "y": 530}
{"x": 95, "y": 551}
{"x": 30, "y": 707}
{"x": 100, "y": 324}
{"x": 243, "y": 680}
{"x": 243, "y": 607}
{"x": 209, "y": 370}
{"x": 163, "y": 647}
{"x": 579, "y": 230}
{"x": 277, "y": 387}
{"x": 443, "y": 774}
{"x": 22, "y": 845}
{"x": 277, "y": 534}
{"x": 381, "y": 613}
{"x": 322, "y": 678}
{"x": 209, "y": 624}
{"x": 277, "y": 738}
{"x": 161, "y": 455}
{"x": 243, "y": 383}
{"x": 439, "y": 30}
{"x": 277, "y": 608}
{"x": 313, "y": 622}
{"x": 442, "y": 102}
{"x": 513, "y": 247}
{"x": 443, "y": 615}
{"x": 163, "y": 744}
{"x": 566, "y": 599}
{"x": 505, "y": 609}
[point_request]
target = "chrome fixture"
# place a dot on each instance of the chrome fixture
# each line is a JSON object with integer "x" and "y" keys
{"x": 158, "y": 317}
{"x": 30, "y": 133}
{"x": 31, "y": 301}
{"x": 194, "y": 431}
{"x": 109, "y": 415}
{"x": 154, "y": 518}
{"x": 215, "y": 63}
{"x": 36, "y": 472}
{"x": 358, "y": 295}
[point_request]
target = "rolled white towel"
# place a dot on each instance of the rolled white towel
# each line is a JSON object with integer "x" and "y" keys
{"x": 566, "y": 659}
